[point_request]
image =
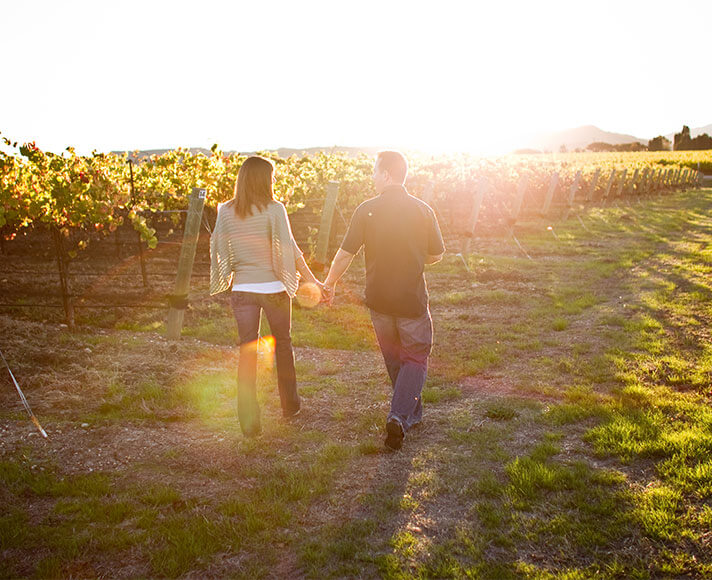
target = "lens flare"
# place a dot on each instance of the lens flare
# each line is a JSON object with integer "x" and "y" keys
{"x": 308, "y": 295}
{"x": 265, "y": 350}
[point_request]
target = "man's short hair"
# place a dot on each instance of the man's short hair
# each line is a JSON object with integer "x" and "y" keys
{"x": 395, "y": 163}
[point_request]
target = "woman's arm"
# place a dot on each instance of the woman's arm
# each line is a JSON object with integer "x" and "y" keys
{"x": 220, "y": 264}
{"x": 305, "y": 271}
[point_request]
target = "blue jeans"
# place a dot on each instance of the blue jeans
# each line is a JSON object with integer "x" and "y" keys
{"x": 247, "y": 308}
{"x": 405, "y": 344}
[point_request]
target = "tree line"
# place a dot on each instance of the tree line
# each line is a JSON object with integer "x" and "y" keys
{"x": 683, "y": 141}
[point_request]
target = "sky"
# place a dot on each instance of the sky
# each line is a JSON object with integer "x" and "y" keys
{"x": 443, "y": 75}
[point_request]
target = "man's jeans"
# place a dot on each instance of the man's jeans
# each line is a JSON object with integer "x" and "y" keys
{"x": 405, "y": 344}
{"x": 247, "y": 307}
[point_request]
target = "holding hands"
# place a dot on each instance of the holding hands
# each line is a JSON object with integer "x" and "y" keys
{"x": 313, "y": 291}
{"x": 328, "y": 292}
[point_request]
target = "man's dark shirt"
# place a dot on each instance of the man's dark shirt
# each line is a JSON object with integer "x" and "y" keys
{"x": 398, "y": 231}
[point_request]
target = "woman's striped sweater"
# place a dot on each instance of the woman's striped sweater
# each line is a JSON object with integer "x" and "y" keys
{"x": 257, "y": 248}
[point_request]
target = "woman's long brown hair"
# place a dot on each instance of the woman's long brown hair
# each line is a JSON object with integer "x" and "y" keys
{"x": 253, "y": 186}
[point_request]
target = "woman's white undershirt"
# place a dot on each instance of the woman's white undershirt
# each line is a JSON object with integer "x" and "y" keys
{"x": 260, "y": 287}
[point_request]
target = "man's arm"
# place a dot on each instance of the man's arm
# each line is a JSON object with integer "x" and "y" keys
{"x": 435, "y": 241}
{"x": 339, "y": 265}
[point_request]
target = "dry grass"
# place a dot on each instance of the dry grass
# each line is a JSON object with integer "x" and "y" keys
{"x": 519, "y": 469}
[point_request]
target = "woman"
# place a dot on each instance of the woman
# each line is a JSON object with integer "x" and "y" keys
{"x": 253, "y": 252}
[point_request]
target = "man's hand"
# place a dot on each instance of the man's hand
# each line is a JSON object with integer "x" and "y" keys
{"x": 328, "y": 292}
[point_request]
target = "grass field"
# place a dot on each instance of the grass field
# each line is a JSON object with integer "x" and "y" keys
{"x": 567, "y": 429}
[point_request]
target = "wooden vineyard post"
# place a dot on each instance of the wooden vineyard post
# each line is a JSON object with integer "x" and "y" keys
{"x": 179, "y": 300}
{"x": 67, "y": 301}
{"x": 482, "y": 187}
{"x": 621, "y": 183}
{"x": 517, "y": 209}
{"x": 327, "y": 217}
{"x": 630, "y": 186}
{"x": 592, "y": 186}
{"x": 572, "y": 194}
{"x": 651, "y": 181}
{"x": 553, "y": 184}
{"x": 117, "y": 243}
{"x": 144, "y": 277}
{"x": 640, "y": 190}
{"x": 604, "y": 197}
{"x": 519, "y": 200}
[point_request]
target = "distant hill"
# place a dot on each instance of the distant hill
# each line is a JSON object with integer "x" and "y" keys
{"x": 140, "y": 154}
{"x": 350, "y": 151}
{"x": 283, "y": 152}
{"x": 699, "y": 130}
{"x": 579, "y": 138}
{"x": 694, "y": 131}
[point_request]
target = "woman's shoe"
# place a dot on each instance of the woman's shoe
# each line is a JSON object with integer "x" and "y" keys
{"x": 291, "y": 414}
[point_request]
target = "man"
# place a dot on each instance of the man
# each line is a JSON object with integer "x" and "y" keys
{"x": 400, "y": 234}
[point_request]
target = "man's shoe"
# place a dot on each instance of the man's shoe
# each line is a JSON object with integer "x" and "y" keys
{"x": 394, "y": 434}
{"x": 252, "y": 433}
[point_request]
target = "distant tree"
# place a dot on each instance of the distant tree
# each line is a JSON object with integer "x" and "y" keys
{"x": 634, "y": 146}
{"x": 685, "y": 142}
{"x": 598, "y": 146}
{"x": 563, "y": 148}
{"x": 701, "y": 142}
{"x": 602, "y": 146}
{"x": 682, "y": 140}
{"x": 659, "y": 143}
